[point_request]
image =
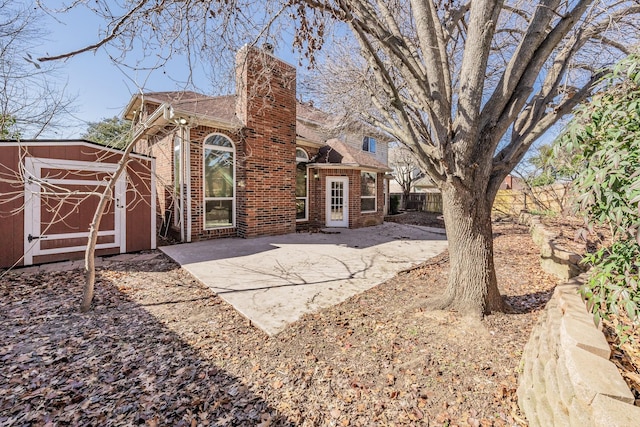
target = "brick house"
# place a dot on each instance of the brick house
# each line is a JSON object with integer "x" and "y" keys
{"x": 259, "y": 162}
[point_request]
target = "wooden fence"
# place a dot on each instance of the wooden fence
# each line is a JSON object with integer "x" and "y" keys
{"x": 428, "y": 202}
{"x": 550, "y": 198}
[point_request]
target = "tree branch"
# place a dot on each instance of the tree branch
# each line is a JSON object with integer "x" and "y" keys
{"x": 115, "y": 32}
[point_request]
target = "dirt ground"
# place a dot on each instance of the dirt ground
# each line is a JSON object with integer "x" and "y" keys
{"x": 160, "y": 349}
{"x": 425, "y": 219}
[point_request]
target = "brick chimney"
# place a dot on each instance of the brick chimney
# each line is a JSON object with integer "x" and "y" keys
{"x": 266, "y": 105}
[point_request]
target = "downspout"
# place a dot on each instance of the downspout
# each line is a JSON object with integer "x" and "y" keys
{"x": 165, "y": 112}
{"x": 181, "y": 182}
{"x": 186, "y": 141}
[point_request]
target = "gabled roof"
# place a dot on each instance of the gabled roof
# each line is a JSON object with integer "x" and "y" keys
{"x": 338, "y": 154}
{"x": 312, "y": 124}
{"x": 214, "y": 108}
{"x": 223, "y": 109}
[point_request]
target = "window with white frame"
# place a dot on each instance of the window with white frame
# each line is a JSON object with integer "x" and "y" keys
{"x": 369, "y": 144}
{"x": 302, "y": 158}
{"x": 368, "y": 190}
{"x": 219, "y": 182}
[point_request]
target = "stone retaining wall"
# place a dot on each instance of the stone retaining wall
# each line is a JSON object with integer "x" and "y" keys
{"x": 553, "y": 260}
{"x": 567, "y": 378}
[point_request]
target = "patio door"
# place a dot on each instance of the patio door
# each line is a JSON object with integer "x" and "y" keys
{"x": 337, "y": 201}
{"x": 60, "y": 200}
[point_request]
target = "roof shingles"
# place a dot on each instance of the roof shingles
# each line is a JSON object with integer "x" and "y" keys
{"x": 311, "y": 125}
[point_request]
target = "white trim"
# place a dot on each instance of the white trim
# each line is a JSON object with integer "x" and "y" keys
{"x": 305, "y": 142}
{"x": 302, "y": 159}
{"x": 120, "y": 212}
{"x": 306, "y": 198}
{"x": 30, "y": 191}
{"x": 385, "y": 196}
{"x": 32, "y": 208}
{"x": 186, "y": 138}
{"x": 347, "y": 166}
{"x": 375, "y": 195}
{"x": 75, "y": 182}
{"x": 46, "y": 163}
{"x": 78, "y": 235}
{"x": 178, "y": 201}
{"x": 344, "y": 223}
{"x": 152, "y": 189}
{"x": 68, "y": 249}
{"x": 231, "y": 150}
{"x": 66, "y": 143}
{"x": 201, "y": 120}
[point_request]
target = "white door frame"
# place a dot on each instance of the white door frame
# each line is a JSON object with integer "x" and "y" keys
{"x": 32, "y": 220}
{"x": 338, "y": 222}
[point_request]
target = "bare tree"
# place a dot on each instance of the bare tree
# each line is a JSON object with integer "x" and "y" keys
{"x": 466, "y": 85}
{"x": 406, "y": 169}
{"x": 30, "y": 101}
{"x": 469, "y": 86}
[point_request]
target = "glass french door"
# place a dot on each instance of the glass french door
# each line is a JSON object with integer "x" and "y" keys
{"x": 337, "y": 201}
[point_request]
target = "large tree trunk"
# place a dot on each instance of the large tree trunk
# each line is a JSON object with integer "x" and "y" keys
{"x": 405, "y": 198}
{"x": 472, "y": 287}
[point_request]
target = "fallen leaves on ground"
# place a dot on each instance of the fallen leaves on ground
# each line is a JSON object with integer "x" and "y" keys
{"x": 159, "y": 348}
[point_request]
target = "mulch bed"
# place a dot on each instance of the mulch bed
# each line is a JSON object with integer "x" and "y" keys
{"x": 159, "y": 348}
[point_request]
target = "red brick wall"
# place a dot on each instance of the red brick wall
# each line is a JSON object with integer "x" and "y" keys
{"x": 198, "y": 135}
{"x": 369, "y": 218}
{"x": 264, "y": 159}
{"x": 267, "y": 170}
{"x": 357, "y": 219}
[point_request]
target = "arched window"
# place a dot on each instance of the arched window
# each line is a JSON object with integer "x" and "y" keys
{"x": 219, "y": 182}
{"x": 301, "y": 155}
{"x": 302, "y": 158}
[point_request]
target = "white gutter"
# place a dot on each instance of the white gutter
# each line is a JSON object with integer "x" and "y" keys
{"x": 346, "y": 166}
{"x": 152, "y": 190}
{"x": 180, "y": 180}
{"x": 186, "y": 142}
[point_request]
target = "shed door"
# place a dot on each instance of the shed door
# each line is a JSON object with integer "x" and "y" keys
{"x": 337, "y": 201}
{"x": 61, "y": 197}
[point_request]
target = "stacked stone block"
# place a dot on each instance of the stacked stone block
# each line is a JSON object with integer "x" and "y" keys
{"x": 567, "y": 378}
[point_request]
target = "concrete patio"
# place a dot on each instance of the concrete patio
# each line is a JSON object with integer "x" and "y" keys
{"x": 273, "y": 281}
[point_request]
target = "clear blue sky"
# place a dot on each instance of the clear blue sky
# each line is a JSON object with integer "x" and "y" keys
{"x": 102, "y": 88}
